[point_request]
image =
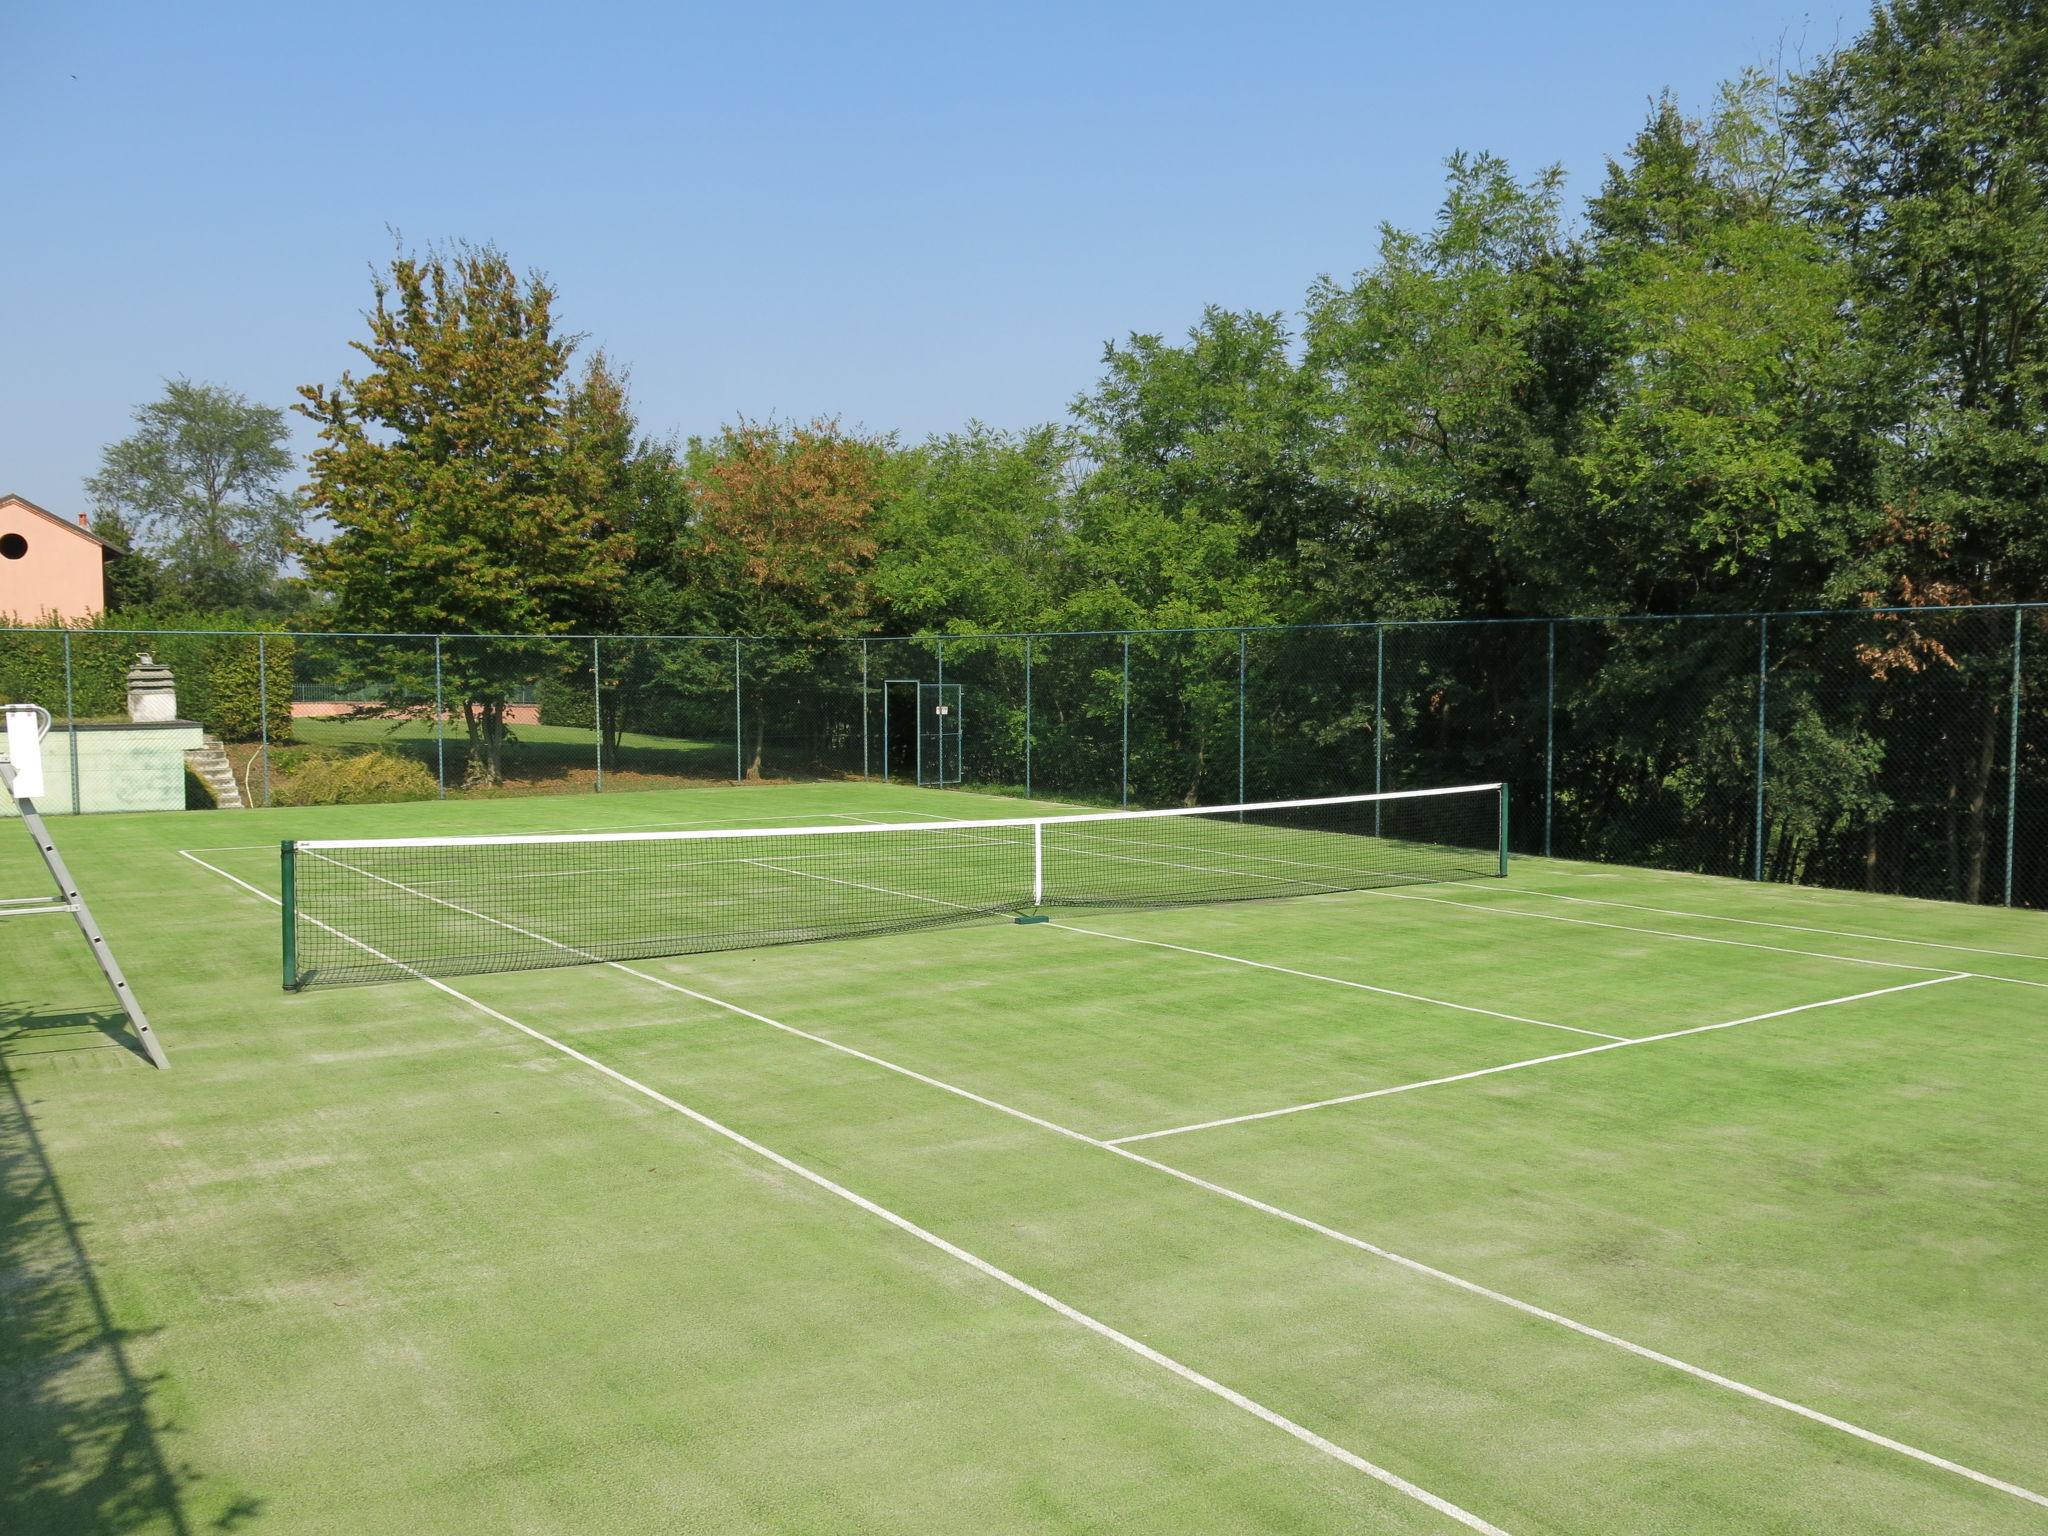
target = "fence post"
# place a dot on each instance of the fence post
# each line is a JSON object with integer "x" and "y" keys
{"x": 440, "y": 727}
{"x": 2012, "y": 757}
{"x": 263, "y": 708}
{"x": 1126, "y": 800}
{"x": 71, "y": 728}
{"x": 597, "y": 711}
{"x": 1549, "y": 730}
{"x": 863, "y": 707}
{"x": 1763, "y": 677}
{"x": 1379, "y": 714}
{"x": 1027, "y": 717}
{"x": 739, "y": 769}
{"x": 1240, "y": 718}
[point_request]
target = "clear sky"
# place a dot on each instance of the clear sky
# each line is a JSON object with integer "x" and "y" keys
{"x": 904, "y": 215}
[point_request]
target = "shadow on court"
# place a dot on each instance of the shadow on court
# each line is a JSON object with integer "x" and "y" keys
{"x": 80, "y": 1448}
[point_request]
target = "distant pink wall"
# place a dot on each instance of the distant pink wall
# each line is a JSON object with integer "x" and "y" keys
{"x": 58, "y": 573}
{"x": 515, "y": 714}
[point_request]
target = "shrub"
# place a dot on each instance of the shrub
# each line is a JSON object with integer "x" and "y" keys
{"x": 366, "y": 778}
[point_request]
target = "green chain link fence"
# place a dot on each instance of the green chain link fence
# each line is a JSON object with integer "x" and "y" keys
{"x": 1895, "y": 750}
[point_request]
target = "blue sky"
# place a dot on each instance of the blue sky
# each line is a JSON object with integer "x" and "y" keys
{"x": 904, "y": 215}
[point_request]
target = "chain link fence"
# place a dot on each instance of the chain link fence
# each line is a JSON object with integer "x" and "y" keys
{"x": 1894, "y": 750}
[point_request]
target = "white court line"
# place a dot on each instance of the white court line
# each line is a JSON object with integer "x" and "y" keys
{"x": 1533, "y": 1061}
{"x": 952, "y": 1250}
{"x": 1757, "y": 922}
{"x": 1210, "y": 954}
{"x": 1338, "y": 981}
{"x": 1491, "y": 909}
{"x": 1252, "y": 1202}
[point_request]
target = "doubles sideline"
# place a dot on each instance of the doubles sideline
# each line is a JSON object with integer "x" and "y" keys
{"x": 931, "y": 1239}
{"x": 1362, "y": 1245}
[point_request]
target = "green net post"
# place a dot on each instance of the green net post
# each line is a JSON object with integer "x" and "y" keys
{"x": 1027, "y": 717}
{"x": 597, "y": 710}
{"x": 288, "y": 883}
{"x": 1503, "y": 831}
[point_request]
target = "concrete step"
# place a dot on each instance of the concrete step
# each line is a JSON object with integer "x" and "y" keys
{"x": 211, "y": 763}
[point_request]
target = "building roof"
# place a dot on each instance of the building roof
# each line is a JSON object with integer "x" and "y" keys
{"x": 106, "y": 548}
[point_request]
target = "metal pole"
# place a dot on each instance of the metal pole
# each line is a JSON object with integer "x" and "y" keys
{"x": 1763, "y": 672}
{"x": 1127, "y": 720}
{"x": 2012, "y": 758}
{"x": 1379, "y": 715}
{"x": 597, "y": 710}
{"x": 1027, "y": 717}
{"x": 1241, "y": 797}
{"x": 263, "y": 709}
{"x": 71, "y": 729}
{"x": 288, "y": 909}
{"x": 440, "y": 723}
{"x": 863, "y": 709}
{"x": 1549, "y": 734}
{"x": 739, "y": 770}
{"x": 885, "y": 730}
{"x": 939, "y": 720}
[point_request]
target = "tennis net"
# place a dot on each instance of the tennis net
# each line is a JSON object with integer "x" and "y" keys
{"x": 379, "y": 909}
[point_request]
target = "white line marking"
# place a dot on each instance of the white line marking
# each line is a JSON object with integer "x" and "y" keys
{"x": 1515, "y": 1066}
{"x": 1335, "y": 981}
{"x": 952, "y": 1250}
{"x": 28, "y": 911}
{"x": 1309, "y": 1224}
{"x": 1490, "y": 909}
{"x": 1757, "y": 922}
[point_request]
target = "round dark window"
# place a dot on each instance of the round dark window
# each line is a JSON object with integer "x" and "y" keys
{"x": 12, "y": 546}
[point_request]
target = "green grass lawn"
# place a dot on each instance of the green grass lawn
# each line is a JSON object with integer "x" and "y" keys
{"x": 854, "y": 1236}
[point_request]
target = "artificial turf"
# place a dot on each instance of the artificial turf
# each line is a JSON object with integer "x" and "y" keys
{"x": 375, "y": 1259}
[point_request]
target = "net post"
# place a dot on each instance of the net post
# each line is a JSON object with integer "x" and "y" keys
{"x": 1549, "y": 733}
{"x": 288, "y": 907}
{"x": 1503, "y": 831}
{"x": 597, "y": 711}
{"x": 1027, "y": 717}
{"x": 2012, "y": 756}
{"x": 1763, "y": 671}
{"x": 71, "y": 729}
{"x": 1038, "y": 863}
{"x": 440, "y": 729}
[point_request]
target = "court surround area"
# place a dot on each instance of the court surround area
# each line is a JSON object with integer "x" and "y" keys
{"x": 1586, "y": 1199}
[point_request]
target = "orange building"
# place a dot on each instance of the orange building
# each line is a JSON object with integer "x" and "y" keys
{"x": 49, "y": 566}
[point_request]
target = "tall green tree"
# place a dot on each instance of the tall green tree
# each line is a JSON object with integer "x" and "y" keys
{"x": 464, "y": 480}
{"x": 199, "y": 485}
{"x": 1703, "y": 446}
{"x": 1925, "y": 144}
{"x": 972, "y": 531}
{"x": 1449, "y": 371}
{"x": 782, "y": 548}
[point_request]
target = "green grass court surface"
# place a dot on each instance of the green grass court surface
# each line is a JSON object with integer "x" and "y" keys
{"x": 1591, "y": 1200}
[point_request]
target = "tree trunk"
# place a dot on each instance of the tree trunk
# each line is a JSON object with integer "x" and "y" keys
{"x": 754, "y": 757}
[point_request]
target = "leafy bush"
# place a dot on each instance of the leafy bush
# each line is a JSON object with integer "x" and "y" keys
{"x": 367, "y": 778}
{"x": 218, "y": 679}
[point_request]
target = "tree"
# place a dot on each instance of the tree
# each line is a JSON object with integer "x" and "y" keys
{"x": 971, "y": 533}
{"x": 198, "y": 487}
{"x": 465, "y": 491}
{"x": 1704, "y": 444}
{"x": 783, "y": 544}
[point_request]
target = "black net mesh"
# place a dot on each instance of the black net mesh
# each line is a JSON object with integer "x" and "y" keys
{"x": 365, "y": 911}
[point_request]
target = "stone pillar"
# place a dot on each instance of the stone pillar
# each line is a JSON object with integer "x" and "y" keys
{"x": 152, "y": 696}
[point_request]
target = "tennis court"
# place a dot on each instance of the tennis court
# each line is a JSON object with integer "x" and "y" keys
{"x": 1583, "y": 1199}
